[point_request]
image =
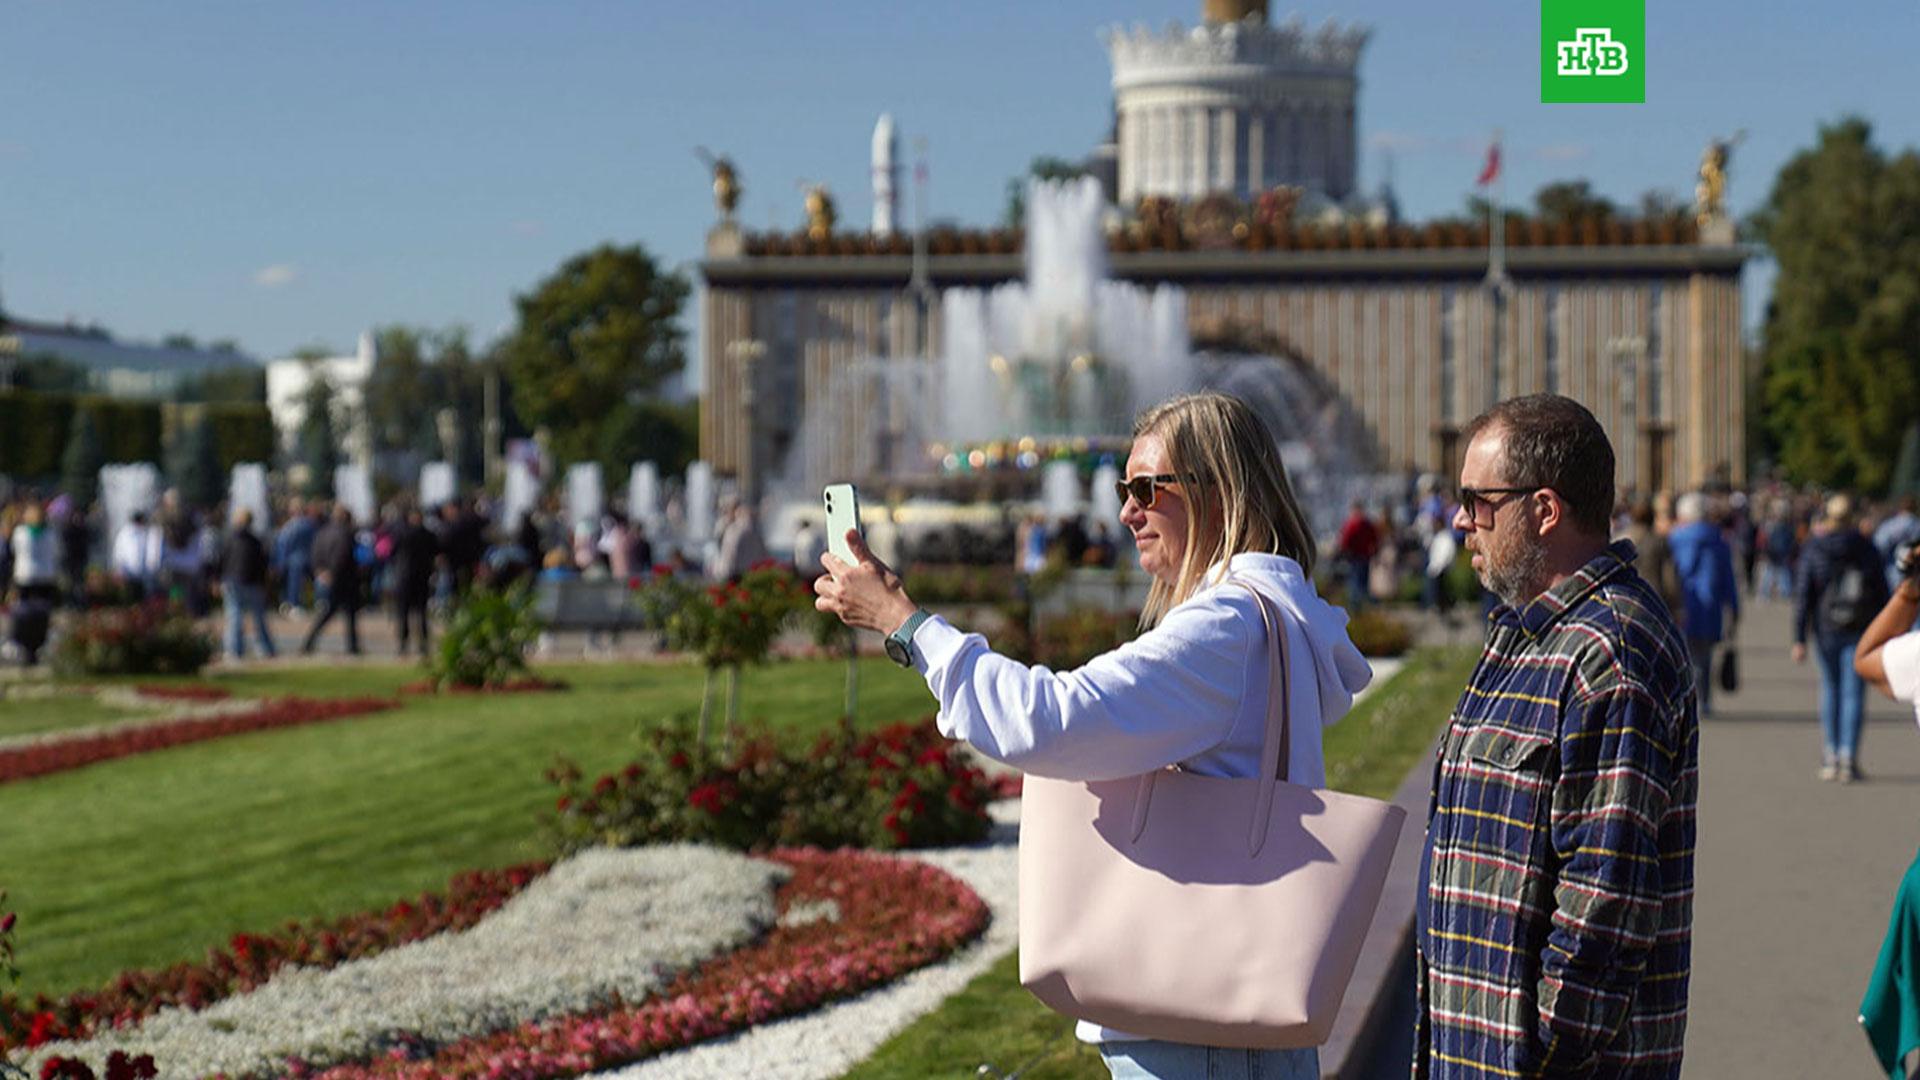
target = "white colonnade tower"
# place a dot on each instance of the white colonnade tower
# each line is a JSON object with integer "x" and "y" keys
{"x": 1236, "y": 106}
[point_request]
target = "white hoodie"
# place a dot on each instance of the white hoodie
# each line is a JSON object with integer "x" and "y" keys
{"x": 1191, "y": 690}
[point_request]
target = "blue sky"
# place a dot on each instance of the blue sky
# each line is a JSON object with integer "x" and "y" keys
{"x": 294, "y": 172}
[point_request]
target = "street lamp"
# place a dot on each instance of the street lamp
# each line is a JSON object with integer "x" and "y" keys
{"x": 745, "y": 353}
{"x": 1628, "y": 355}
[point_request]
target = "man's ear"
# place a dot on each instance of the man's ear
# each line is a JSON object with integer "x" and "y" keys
{"x": 1551, "y": 510}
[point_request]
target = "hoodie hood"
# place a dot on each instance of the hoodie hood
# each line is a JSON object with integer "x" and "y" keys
{"x": 1338, "y": 666}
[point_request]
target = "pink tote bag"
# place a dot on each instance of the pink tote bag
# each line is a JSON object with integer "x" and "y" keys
{"x": 1199, "y": 909}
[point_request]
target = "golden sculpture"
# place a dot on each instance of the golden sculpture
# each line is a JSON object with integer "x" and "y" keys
{"x": 1710, "y": 194}
{"x": 726, "y": 182}
{"x": 821, "y": 213}
{"x": 1232, "y": 11}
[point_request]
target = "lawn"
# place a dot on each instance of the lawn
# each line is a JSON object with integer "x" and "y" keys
{"x": 149, "y": 860}
{"x": 60, "y": 712}
{"x": 994, "y": 1022}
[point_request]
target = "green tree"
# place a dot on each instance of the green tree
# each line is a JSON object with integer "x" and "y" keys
{"x": 315, "y": 445}
{"x": 603, "y": 331}
{"x": 1572, "y": 201}
{"x": 1841, "y": 348}
{"x": 1042, "y": 168}
{"x": 193, "y": 461}
{"x": 81, "y": 461}
{"x": 662, "y": 432}
{"x": 238, "y": 383}
{"x": 179, "y": 340}
{"x": 403, "y": 392}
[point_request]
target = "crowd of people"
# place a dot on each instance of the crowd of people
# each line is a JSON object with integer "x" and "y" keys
{"x": 319, "y": 563}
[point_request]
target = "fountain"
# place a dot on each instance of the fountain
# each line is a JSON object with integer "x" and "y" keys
{"x": 521, "y": 492}
{"x": 643, "y": 496}
{"x": 699, "y": 505}
{"x": 126, "y": 490}
{"x": 586, "y": 496}
{"x": 248, "y": 489}
{"x": 1036, "y": 385}
{"x": 437, "y": 485}
{"x": 353, "y": 489}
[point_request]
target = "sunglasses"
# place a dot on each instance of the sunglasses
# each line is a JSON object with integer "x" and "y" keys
{"x": 1472, "y": 499}
{"x": 1143, "y": 489}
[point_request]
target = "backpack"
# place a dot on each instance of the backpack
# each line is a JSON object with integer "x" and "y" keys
{"x": 1847, "y": 605}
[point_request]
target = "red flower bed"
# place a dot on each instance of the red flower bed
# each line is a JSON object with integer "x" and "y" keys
{"x": 529, "y": 685}
{"x": 51, "y": 757}
{"x": 250, "y": 959}
{"x": 895, "y": 916}
{"x": 184, "y": 693}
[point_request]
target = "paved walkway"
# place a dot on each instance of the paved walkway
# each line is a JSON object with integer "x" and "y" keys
{"x": 1795, "y": 876}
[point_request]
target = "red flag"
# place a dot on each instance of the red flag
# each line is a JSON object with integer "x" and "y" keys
{"x": 1491, "y": 169}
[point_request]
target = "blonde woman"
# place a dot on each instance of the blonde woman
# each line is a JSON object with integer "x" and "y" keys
{"x": 1205, "y": 495}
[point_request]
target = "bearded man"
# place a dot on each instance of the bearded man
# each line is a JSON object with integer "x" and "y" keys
{"x": 1555, "y": 925}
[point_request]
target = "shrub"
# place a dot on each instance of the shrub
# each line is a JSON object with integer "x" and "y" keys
{"x": 1377, "y": 633}
{"x": 905, "y": 786}
{"x": 735, "y": 623}
{"x": 486, "y": 640}
{"x": 149, "y": 639}
{"x": 1065, "y": 642}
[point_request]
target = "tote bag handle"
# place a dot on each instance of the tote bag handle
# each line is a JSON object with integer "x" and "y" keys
{"x": 1275, "y": 749}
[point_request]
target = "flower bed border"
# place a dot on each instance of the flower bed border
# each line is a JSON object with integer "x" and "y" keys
{"x": 61, "y": 755}
{"x": 901, "y": 913}
{"x": 249, "y": 960}
{"x": 530, "y": 685}
{"x": 164, "y": 692}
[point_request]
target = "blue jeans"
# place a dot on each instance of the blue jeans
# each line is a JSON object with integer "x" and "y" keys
{"x": 1155, "y": 1060}
{"x": 1841, "y": 691}
{"x": 294, "y": 586}
{"x": 245, "y": 602}
{"x": 1700, "y": 651}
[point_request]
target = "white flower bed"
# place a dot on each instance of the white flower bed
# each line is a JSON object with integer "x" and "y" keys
{"x": 606, "y": 922}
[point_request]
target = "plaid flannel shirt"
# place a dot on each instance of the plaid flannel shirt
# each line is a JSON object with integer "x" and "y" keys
{"x": 1560, "y": 900}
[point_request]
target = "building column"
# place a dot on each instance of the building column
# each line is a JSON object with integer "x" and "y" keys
{"x": 1132, "y": 154}
{"x": 1199, "y": 151}
{"x": 1226, "y": 158}
{"x": 1256, "y": 152}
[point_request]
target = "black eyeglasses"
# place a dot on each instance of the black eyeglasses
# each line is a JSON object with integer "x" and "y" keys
{"x": 1143, "y": 488}
{"x": 1472, "y": 498}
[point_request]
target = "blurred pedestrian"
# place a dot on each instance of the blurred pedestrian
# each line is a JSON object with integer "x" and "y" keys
{"x": 1841, "y": 587}
{"x": 337, "y": 572}
{"x": 1709, "y": 591}
{"x": 243, "y": 586}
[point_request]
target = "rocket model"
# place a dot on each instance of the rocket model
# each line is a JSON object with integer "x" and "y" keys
{"x": 886, "y": 175}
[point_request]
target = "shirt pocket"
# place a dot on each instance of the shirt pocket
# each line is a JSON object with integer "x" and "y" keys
{"x": 1508, "y": 792}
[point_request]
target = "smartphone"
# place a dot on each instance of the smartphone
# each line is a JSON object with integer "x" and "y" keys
{"x": 843, "y": 513}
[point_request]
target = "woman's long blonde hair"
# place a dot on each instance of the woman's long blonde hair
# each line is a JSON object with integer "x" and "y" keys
{"x": 1238, "y": 497}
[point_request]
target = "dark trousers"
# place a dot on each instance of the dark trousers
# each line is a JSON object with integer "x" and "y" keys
{"x": 408, "y": 612}
{"x": 346, "y": 605}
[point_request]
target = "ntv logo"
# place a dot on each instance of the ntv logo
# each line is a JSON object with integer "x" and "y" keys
{"x": 1593, "y": 52}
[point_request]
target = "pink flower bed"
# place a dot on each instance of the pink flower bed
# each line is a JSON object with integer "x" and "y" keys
{"x": 895, "y": 915}
{"x": 42, "y": 759}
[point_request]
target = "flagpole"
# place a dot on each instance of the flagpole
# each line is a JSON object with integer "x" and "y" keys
{"x": 1497, "y": 221}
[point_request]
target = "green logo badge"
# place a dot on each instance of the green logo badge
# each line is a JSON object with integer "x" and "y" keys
{"x": 1593, "y": 50}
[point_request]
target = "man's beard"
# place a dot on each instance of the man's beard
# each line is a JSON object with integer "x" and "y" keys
{"x": 1515, "y": 576}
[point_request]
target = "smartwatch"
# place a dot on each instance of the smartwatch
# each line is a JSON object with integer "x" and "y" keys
{"x": 900, "y": 642}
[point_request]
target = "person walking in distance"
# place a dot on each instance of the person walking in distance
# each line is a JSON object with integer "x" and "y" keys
{"x": 1555, "y": 920}
{"x": 1841, "y": 587}
{"x": 338, "y": 572}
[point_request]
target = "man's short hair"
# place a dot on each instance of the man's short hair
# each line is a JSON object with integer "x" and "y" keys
{"x": 1554, "y": 442}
